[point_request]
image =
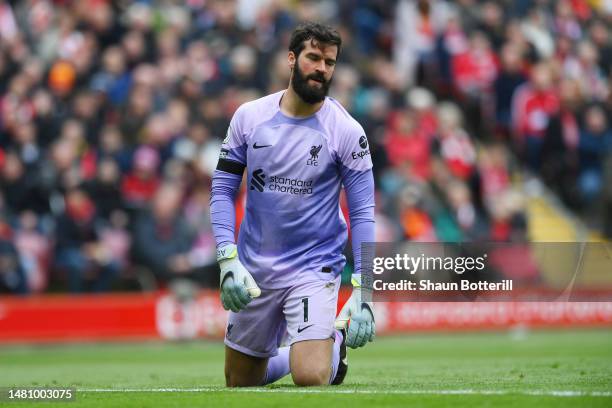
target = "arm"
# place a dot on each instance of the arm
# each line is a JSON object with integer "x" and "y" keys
{"x": 226, "y": 182}
{"x": 358, "y": 180}
{"x": 238, "y": 287}
{"x": 222, "y": 208}
{"x": 359, "y": 187}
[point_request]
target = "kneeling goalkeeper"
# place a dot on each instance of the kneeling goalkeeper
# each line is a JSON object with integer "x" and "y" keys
{"x": 281, "y": 280}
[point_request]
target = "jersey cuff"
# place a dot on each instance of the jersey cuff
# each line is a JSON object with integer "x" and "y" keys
{"x": 231, "y": 166}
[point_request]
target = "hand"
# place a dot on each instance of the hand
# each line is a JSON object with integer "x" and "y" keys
{"x": 361, "y": 328}
{"x": 238, "y": 287}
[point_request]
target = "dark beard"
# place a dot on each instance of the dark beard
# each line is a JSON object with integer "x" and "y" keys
{"x": 306, "y": 92}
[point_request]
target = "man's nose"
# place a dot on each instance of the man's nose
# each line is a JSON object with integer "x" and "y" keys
{"x": 322, "y": 67}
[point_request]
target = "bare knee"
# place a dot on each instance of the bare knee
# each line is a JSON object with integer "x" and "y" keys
{"x": 311, "y": 362}
{"x": 241, "y": 380}
{"x": 242, "y": 370}
{"x": 311, "y": 377}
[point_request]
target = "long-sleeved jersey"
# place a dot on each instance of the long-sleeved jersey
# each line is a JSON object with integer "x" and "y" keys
{"x": 293, "y": 229}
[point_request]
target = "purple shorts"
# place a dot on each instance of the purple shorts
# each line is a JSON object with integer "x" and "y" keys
{"x": 302, "y": 312}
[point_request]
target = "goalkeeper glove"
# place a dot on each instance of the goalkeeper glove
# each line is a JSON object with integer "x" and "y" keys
{"x": 362, "y": 327}
{"x": 238, "y": 287}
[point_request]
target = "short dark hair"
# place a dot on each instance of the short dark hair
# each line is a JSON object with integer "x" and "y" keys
{"x": 321, "y": 33}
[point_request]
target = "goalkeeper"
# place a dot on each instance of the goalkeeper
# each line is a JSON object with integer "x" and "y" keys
{"x": 281, "y": 279}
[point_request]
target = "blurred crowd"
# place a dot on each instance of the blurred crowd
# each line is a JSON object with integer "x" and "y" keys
{"x": 112, "y": 114}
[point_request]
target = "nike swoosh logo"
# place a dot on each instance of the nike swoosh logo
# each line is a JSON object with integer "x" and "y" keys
{"x": 301, "y": 329}
{"x": 255, "y": 146}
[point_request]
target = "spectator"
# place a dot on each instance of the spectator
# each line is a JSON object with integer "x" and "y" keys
{"x": 537, "y": 33}
{"x": 115, "y": 238}
{"x": 14, "y": 183}
{"x": 417, "y": 25}
{"x": 455, "y": 146}
{"x": 475, "y": 69}
{"x": 560, "y": 149}
{"x": 47, "y": 120}
{"x": 197, "y": 149}
{"x": 80, "y": 251}
{"x": 594, "y": 146}
{"x": 162, "y": 239}
{"x": 533, "y": 105}
{"x": 105, "y": 189}
{"x": 34, "y": 248}
{"x": 139, "y": 186}
{"x": 112, "y": 146}
{"x": 565, "y": 22}
{"x": 511, "y": 76}
{"x": 133, "y": 118}
{"x": 406, "y": 142}
{"x": 414, "y": 217}
{"x": 203, "y": 253}
{"x": 492, "y": 23}
{"x": 600, "y": 35}
{"x": 113, "y": 80}
{"x": 12, "y": 275}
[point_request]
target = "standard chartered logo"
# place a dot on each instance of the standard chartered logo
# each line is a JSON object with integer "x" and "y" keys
{"x": 287, "y": 185}
{"x": 258, "y": 180}
{"x": 290, "y": 185}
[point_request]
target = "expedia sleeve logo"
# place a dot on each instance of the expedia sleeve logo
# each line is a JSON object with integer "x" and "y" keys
{"x": 280, "y": 184}
{"x": 363, "y": 143}
{"x": 360, "y": 154}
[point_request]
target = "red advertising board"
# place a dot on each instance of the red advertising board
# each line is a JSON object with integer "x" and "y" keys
{"x": 127, "y": 317}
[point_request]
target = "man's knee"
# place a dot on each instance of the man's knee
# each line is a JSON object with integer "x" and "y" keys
{"x": 242, "y": 370}
{"x": 236, "y": 379}
{"x": 311, "y": 362}
{"x": 311, "y": 376}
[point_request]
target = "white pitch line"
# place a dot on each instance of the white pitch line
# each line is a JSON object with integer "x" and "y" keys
{"x": 358, "y": 391}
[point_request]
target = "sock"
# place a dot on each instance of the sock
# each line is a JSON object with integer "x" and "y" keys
{"x": 278, "y": 366}
{"x": 336, "y": 355}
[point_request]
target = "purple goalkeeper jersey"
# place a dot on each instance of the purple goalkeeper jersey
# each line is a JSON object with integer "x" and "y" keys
{"x": 293, "y": 230}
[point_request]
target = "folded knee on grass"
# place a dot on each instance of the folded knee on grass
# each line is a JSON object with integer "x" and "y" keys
{"x": 311, "y": 377}
{"x": 237, "y": 379}
{"x": 232, "y": 380}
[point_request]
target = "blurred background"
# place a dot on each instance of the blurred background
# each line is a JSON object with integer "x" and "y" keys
{"x": 487, "y": 121}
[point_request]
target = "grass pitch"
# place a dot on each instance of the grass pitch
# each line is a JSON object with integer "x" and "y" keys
{"x": 543, "y": 369}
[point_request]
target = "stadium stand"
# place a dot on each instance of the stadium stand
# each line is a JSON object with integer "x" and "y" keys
{"x": 106, "y": 105}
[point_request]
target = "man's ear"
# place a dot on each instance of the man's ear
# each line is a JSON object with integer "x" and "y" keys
{"x": 291, "y": 59}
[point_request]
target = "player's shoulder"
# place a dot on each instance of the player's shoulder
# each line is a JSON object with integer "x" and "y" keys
{"x": 342, "y": 121}
{"x": 251, "y": 113}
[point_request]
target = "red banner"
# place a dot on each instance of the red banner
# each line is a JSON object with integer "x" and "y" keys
{"x": 132, "y": 316}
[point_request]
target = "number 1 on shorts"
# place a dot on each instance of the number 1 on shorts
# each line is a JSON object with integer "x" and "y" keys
{"x": 305, "y": 302}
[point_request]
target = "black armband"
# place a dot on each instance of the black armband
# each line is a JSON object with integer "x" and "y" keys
{"x": 231, "y": 166}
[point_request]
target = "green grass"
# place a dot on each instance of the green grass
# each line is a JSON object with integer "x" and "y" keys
{"x": 399, "y": 371}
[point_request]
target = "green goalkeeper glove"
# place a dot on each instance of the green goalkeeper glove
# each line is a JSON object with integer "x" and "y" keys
{"x": 361, "y": 327}
{"x": 238, "y": 287}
